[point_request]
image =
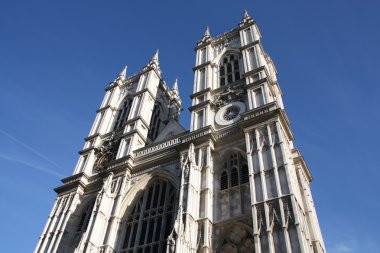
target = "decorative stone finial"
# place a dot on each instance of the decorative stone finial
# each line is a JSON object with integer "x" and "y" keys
{"x": 207, "y": 32}
{"x": 123, "y": 73}
{"x": 246, "y": 18}
{"x": 246, "y": 15}
{"x": 175, "y": 85}
{"x": 155, "y": 56}
{"x": 206, "y": 36}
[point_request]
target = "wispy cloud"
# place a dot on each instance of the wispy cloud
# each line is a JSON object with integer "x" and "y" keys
{"x": 31, "y": 165}
{"x": 27, "y": 162}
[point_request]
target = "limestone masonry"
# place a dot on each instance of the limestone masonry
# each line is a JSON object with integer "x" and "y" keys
{"x": 233, "y": 183}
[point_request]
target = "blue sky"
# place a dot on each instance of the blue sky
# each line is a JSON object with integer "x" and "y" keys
{"x": 56, "y": 58}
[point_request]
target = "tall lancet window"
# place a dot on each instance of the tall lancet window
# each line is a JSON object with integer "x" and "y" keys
{"x": 85, "y": 218}
{"x": 234, "y": 187}
{"x": 122, "y": 115}
{"x": 155, "y": 123}
{"x": 229, "y": 71}
{"x": 151, "y": 220}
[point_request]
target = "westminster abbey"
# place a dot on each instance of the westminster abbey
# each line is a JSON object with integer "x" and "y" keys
{"x": 233, "y": 183}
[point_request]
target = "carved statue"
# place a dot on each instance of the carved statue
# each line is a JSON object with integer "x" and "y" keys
{"x": 227, "y": 96}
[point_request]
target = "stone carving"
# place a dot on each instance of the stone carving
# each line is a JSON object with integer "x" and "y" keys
{"x": 238, "y": 240}
{"x": 227, "y": 96}
{"x": 231, "y": 42}
{"x": 105, "y": 153}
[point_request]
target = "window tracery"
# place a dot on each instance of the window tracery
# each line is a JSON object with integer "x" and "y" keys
{"x": 229, "y": 70}
{"x": 151, "y": 220}
{"x": 155, "y": 122}
{"x": 122, "y": 115}
{"x": 85, "y": 218}
{"x": 234, "y": 187}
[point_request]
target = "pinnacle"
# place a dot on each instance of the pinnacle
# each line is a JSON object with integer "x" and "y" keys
{"x": 207, "y": 32}
{"x": 246, "y": 18}
{"x": 123, "y": 73}
{"x": 175, "y": 85}
{"x": 246, "y": 15}
{"x": 155, "y": 57}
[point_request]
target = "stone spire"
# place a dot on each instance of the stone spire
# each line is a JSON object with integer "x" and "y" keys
{"x": 206, "y": 36}
{"x": 155, "y": 57}
{"x": 154, "y": 62}
{"x": 123, "y": 73}
{"x": 207, "y": 32}
{"x": 246, "y": 18}
{"x": 175, "y": 86}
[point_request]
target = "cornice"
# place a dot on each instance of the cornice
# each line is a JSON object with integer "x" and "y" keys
{"x": 257, "y": 83}
{"x": 255, "y": 71}
{"x": 72, "y": 183}
{"x": 252, "y": 44}
{"x": 299, "y": 159}
{"x": 86, "y": 150}
{"x": 91, "y": 137}
{"x": 201, "y": 65}
{"x": 200, "y": 105}
{"x": 105, "y": 108}
{"x": 112, "y": 85}
{"x": 199, "y": 93}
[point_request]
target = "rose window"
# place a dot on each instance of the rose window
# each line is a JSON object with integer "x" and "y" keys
{"x": 231, "y": 113}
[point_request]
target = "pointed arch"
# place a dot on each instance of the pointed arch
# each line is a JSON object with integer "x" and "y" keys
{"x": 155, "y": 122}
{"x": 77, "y": 225}
{"x": 122, "y": 114}
{"x": 148, "y": 213}
{"x": 234, "y": 191}
{"x": 229, "y": 68}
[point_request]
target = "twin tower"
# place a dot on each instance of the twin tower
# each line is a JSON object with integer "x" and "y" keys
{"x": 233, "y": 183}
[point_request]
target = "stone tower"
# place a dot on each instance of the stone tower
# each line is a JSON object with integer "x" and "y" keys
{"x": 233, "y": 183}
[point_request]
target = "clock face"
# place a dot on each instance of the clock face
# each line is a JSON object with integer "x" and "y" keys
{"x": 229, "y": 114}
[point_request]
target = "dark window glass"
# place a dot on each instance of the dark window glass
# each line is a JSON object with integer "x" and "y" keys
{"x": 224, "y": 181}
{"x": 151, "y": 230}
{"x": 234, "y": 177}
{"x": 229, "y": 79}
{"x": 222, "y": 81}
{"x": 244, "y": 174}
{"x": 229, "y": 69}
{"x": 155, "y": 122}
{"x": 222, "y": 71}
{"x": 122, "y": 115}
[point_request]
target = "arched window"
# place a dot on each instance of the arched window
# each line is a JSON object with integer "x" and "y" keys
{"x": 234, "y": 177}
{"x": 234, "y": 188}
{"x": 244, "y": 174}
{"x": 229, "y": 69}
{"x": 235, "y": 168}
{"x": 155, "y": 123}
{"x": 85, "y": 218}
{"x": 224, "y": 181}
{"x": 151, "y": 220}
{"x": 122, "y": 115}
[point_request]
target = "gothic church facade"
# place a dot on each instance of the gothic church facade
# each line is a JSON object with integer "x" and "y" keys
{"x": 233, "y": 183}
